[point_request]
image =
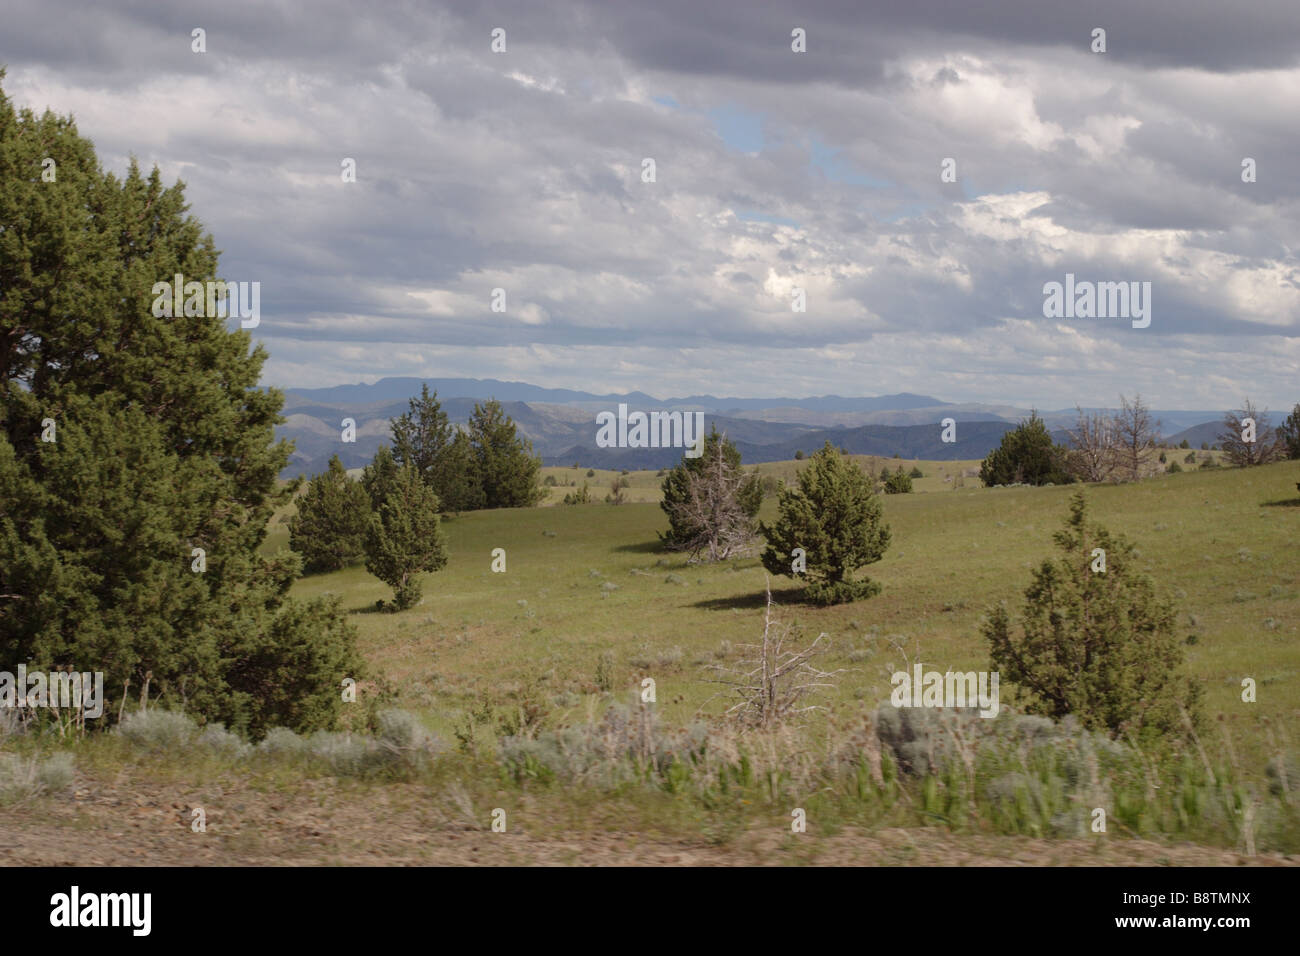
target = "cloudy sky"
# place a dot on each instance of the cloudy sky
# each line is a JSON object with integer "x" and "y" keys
{"x": 774, "y": 170}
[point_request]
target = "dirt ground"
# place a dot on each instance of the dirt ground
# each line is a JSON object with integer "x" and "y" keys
{"x": 123, "y": 822}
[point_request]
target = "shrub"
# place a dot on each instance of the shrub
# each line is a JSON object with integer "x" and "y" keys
{"x": 591, "y": 473}
{"x": 25, "y": 777}
{"x": 216, "y": 739}
{"x": 898, "y": 483}
{"x": 1174, "y": 467}
{"x": 549, "y": 481}
{"x": 158, "y": 730}
{"x": 580, "y": 497}
{"x": 916, "y": 472}
{"x": 1096, "y": 644}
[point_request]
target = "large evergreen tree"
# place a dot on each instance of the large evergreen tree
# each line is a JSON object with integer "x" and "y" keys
{"x": 833, "y": 515}
{"x": 508, "y": 474}
{"x": 330, "y": 527}
{"x": 129, "y": 543}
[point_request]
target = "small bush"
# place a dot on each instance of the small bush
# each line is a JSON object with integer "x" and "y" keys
{"x": 591, "y": 473}
{"x": 158, "y": 731}
{"x": 218, "y": 740}
{"x": 22, "y": 778}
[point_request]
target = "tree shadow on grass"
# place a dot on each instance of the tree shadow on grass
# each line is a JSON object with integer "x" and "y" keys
{"x": 1283, "y": 503}
{"x": 644, "y": 547}
{"x": 757, "y": 599}
{"x": 372, "y": 609}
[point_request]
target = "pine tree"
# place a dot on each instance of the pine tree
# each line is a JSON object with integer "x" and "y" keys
{"x": 130, "y": 543}
{"x": 508, "y": 474}
{"x": 834, "y": 516}
{"x": 329, "y": 529}
{"x": 1094, "y": 640}
{"x": 1027, "y": 455}
{"x": 676, "y": 488}
{"x": 405, "y": 538}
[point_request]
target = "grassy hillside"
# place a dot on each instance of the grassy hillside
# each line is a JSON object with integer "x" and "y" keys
{"x": 587, "y": 581}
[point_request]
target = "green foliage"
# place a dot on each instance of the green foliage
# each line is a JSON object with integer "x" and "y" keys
{"x": 677, "y": 483}
{"x": 798, "y": 456}
{"x": 440, "y": 453}
{"x": 507, "y": 472}
{"x": 1174, "y": 467}
{"x": 835, "y": 516}
{"x": 898, "y": 482}
{"x": 1027, "y": 455}
{"x": 380, "y": 477}
{"x": 580, "y": 497}
{"x": 1289, "y": 433}
{"x": 1096, "y": 644}
{"x": 164, "y": 444}
{"x": 916, "y": 472}
{"x": 329, "y": 528}
{"x": 405, "y": 538}
{"x": 1184, "y": 444}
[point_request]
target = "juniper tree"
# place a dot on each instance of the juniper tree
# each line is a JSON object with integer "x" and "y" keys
{"x": 1094, "y": 639}
{"x": 425, "y": 438}
{"x": 676, "y": 488}
{"x": 1026, "y": 455}
{"x": 715, "y": 511}
{"x": 130, "y": 543}
{"x": 380, "y": 477}
{"x": 405, "y": 538}
{"x": 834, "y": 516}
{"x": 329, "y": 528}
{"x": 508, "y": 474}
{"x": 1289, "y": 434}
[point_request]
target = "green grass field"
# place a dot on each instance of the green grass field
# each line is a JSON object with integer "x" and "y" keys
{"x": 583, "y": 581}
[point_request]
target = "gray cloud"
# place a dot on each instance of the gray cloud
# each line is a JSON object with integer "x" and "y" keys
{"x": 522, "y": 171}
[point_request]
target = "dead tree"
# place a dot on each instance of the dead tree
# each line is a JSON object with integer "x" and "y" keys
{"x": 1247, "y": 439}
{"x": 712, "y": 509}
{"x": 1135, "y": 438}
{"x": 1093, "y": 455}
{"x": 772, "y": 681}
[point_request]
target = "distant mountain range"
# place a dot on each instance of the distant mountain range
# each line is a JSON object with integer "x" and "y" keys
{"x": 561, "y": 422}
